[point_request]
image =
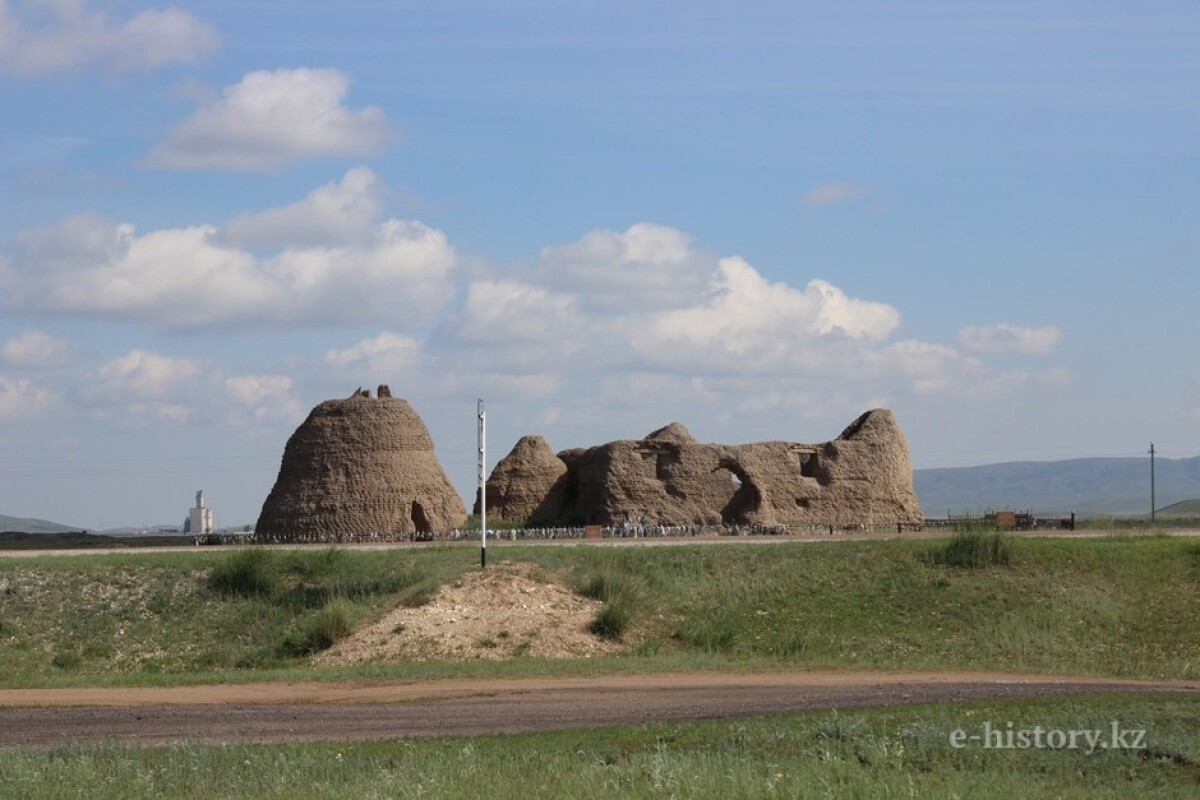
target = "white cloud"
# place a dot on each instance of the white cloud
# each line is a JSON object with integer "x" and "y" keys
{"x": 253, "y": 390}
{"x": 646, "y": 267}
{"x": 767, "y": 346}
{"x": 35, "y": 349}
{"x": 501, "y": 313}
{"x": 21, "y": 399}
{"x": 388, "y": 353}
{"x": 271, "y": 118}
{"x": 145, "y": 386}
{"x": 263, "y": 397}
{"x": 742, "y": 344}
{"x": 194, "y": 277}
{"x": 751, "y": 324}
{"x": 336, "y": 213}
{"x": 39, "y": 38}
{"x": 145, "y": 375}
{"x": 1006, "y": 338}
{"x": 167, "y": 412}
{"x": 828, "y": 194}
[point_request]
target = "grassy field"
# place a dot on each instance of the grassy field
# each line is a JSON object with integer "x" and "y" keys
{"x": 1119, "y": 606}
{"x": 902, "y": 752}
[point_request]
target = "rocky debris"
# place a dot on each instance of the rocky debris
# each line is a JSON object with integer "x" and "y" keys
{"x": 864, "y": 477}
{"x": 509, "y": 610}
{"x": 357, "y": 469}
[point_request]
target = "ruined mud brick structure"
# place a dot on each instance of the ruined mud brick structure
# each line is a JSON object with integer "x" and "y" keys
{"x": 864, "y": 477}
{"x": 356, "y": 469}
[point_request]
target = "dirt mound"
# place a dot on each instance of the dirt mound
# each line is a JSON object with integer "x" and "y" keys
{"x": 507, "y": 611}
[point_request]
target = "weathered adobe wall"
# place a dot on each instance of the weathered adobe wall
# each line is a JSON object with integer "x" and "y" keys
{"x": 862, "y": 477}
{"x": 360, "y": 467}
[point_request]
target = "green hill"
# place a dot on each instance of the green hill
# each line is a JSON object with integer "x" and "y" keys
{"x": 29, "y": 525}
{"x": 1188, "y": 508}
{"x": 1084, "y": 485}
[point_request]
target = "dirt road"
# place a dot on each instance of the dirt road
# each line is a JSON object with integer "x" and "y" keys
{"x": 314, "y": 711}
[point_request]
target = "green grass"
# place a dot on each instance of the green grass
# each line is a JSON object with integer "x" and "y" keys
{"x": 1118, "y": 606}
{"x": 899, "y": 752}
{"x": 253, "y": 572}
{"x": 975, "y": 550}
{"x": 334, "y": 621}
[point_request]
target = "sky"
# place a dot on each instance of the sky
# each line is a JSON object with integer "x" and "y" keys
{"x": 759, "y": 219}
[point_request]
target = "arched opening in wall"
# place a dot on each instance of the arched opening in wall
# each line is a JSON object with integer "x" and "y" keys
{"x": 743, "y": 497}
{"x": 420, "y": 521}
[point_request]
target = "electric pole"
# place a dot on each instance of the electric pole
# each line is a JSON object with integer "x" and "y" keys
{"x": 482, "y": 415}
{"x": 1152, "y": 483}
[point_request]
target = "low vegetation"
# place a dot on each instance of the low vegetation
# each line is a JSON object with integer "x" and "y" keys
{"x": 975, "y": 550}
{"x": 900, "y": 752}
{"x": 1116, "y": 606}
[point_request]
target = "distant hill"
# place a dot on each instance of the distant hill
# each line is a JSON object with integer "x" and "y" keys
{"x": 1188, "y": 508}
{"x": 1083, "y": 485}
{"x": 29, "y": 525}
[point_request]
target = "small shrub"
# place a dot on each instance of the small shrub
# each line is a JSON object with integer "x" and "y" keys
{"x": 67, "y": 660}
{"x": 975, "y": 550}
{"x": 611, "y": 621}
{"x": 319, "y": 632}
{"x": 252, "y": 572}
{"x": 610, "y": 584}
{"x": 712, "y": 633}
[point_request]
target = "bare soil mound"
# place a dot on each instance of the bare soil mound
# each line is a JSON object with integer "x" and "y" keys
{"x": 507, "y": 611}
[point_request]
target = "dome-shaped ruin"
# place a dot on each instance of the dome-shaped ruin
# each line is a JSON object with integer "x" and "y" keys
{"x": 358, "y": 469}
{"x": 527, "y": 485}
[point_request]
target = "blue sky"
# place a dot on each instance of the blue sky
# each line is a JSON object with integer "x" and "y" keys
{"x": 759, "y": 219}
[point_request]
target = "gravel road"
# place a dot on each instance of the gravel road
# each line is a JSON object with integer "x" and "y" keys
{"x": 292, "y": 712}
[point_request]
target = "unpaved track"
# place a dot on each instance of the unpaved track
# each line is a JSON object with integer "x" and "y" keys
{"x": 278, "y": 712}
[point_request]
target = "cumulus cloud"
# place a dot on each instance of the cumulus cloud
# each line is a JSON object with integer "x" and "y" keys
{"x": 509, "y": 312}
{"x": 145, "y": 375}
{"x": 270, "y": 118}
{"x": 336, "y": 213}
{"x": 828, "y": 194}
{"x": 195, "y": 277}
{"x": 1006, "y": 338}
{"x": 736, "y": 340}
{"x": 751, "y": 324}
{"x": 262, "y": 397}
{"x": 143, "y": 385}
{"x": 39, "y": 38}
{"x": 773, "y": 345}
{"x": 388, "y": 353}
{"x": 35, "y": 349}
{"x": 646, "y": 267}
{"x": 21, "y": 399}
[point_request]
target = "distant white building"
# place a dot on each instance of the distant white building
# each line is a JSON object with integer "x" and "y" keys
{"x": 200, "y": 518}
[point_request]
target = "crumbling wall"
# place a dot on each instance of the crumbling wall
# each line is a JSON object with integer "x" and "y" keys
{"x": 667, "y": 478}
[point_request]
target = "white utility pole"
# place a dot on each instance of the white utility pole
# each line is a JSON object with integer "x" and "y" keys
{"x": 482, "y": 485}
